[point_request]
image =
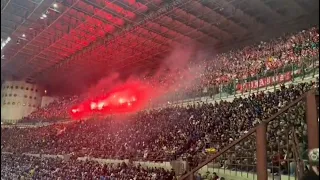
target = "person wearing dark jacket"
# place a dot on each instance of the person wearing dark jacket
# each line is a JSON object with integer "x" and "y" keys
{"x": 313, "y": 172}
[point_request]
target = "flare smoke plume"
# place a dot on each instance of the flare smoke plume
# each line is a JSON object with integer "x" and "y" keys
{"x": 176, "y": 73}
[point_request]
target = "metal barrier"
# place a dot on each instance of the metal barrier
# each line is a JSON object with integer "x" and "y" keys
{"x": 272, "y": 149}
{"x": 261, "y": 82}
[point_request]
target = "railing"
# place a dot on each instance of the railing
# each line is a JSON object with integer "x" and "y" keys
{"x": 262, "y": 81}
{"x": 273, "y": 148}
{"x": 296, "y": 154}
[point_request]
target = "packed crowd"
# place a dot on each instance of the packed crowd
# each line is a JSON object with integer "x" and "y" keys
{"x": 58, "y": 109}
{"x": 29, "y": 167}
{"x": 171, "y": 133}
{"x": 247, "y": 62}
{"x": 259, "y": 58}
{"x": 168, "y": 133}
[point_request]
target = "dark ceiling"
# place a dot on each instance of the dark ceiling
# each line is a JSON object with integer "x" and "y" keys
{"x": 58, "y": 42}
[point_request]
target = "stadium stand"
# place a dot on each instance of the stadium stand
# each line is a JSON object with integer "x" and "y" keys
{"x": 168, "y": 134}
{"x": 293, "y": 54}
{"x": 25, "y": 167}
{"x": 252, "y": 114}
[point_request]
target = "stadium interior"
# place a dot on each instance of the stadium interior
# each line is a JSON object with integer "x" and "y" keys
{"x": 160, "y": 89}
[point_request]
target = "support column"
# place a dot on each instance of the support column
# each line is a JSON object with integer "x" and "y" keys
{"x": 312, "y": 121}
{"x": 191, "y": 177}
{"x": 261, "y": 142}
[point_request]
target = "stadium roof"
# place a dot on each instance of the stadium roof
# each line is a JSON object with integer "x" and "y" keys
{"x": 55, "y": 41}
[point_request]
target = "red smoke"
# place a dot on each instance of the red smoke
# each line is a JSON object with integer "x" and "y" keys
{"x": 129, "y": 97}
{"x": 174, "y": 74}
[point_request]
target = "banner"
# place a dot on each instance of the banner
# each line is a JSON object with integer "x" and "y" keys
{"x": 264, "y": 82}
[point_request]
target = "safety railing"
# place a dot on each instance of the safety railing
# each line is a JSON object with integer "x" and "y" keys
{"x": 262, "y": 81}
{"x": 274, "y": 149}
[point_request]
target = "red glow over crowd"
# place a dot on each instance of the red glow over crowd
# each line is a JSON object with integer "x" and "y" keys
{"x": 126, "y": 98}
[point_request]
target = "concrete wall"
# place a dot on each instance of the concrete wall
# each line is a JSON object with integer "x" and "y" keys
{"x": 19, "y": 99}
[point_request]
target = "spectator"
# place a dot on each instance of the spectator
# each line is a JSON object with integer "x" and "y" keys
{"x": 262, "y": 58}
{"x": 164, "y": 134}
{"x": 171, "y": 133}
{"x": 29, "y": 167}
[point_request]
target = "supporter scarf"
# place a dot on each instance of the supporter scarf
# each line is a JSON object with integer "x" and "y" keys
{"x": 210, "y": 150}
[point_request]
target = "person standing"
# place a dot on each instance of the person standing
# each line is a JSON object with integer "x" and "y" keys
{"x": 313, "y": 172}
